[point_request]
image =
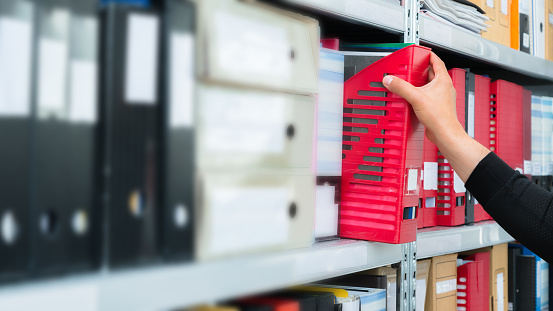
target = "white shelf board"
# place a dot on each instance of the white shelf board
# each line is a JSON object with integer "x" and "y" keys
{"x": 476, "y": 47}
{"x": 447, "y": 240}
{"x": 179, "y": 285}
{"x": 378, "y": 13}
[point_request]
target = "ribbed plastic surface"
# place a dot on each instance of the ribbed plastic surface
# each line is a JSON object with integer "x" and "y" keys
{"x": 382, "y": 155}
{"x": 473, "y": 283}
{"x": 481, "y": 127}
{"x": 451, "y": 204}
{"x": 429, "y": 198}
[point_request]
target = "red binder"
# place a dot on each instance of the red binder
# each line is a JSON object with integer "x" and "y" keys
{"x": 451, "y": 204}
{"x": 473, "y": 283}
{"x": 382, "y": 156}
{"x": 527, "y": 131}
{"x": 430, "y": 193}
{"x": 277, "y": 304}
{"x": 481, "y": 127}
{"x": 506, "y": 123}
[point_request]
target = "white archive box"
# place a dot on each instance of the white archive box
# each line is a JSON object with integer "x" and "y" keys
{"x": 256, "y": 45}
{"x": 253, "y": 129}
{"x": 251, "y": 213}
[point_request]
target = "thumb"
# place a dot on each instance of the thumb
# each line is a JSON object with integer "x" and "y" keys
{"x": 403, "y": 88}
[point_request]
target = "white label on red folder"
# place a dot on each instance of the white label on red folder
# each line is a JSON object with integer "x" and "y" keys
{"x": 83, "y": 92}
{"x": 15, "y": 67}
{"x": 182, "y": 80}
{"x": 500, "y": 291}
{"x": 248, "y": 218}
{"x": 52, "y": 78}
{"x": 141, "y": 59}
{"x": 446, "y": 286}
{"x": 236, "y": 121}
{"x": 412, "y": 179}
{"x": 528, "y": 167}
{"x": 248, "y": 47}
{"x": 519, "y": 169}
{"x": 430, "y": 181}
{"x": 458, "y": 184}
{"x": 470, "y": 115}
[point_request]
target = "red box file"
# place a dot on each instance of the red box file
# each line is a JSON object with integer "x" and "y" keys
{"x": 276, "y": 304}
{"x": 481, "y": 127}
{"x": 527, "y": 132}
{"x": 382, "y": 155}
{"x": 473, "y": 283}
{"x": 430, "y": 191}
{"x": 451, "y": 204}
{"x": 506, "y": 123}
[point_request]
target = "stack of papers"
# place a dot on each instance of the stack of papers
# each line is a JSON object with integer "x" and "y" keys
{"x": 467, "y": 16}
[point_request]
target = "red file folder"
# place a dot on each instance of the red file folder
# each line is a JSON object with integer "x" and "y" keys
{"x": 382, "y": 156}
{"x": 430, "y": 196}
{"x": 451, "y": 204}
{"x": 527, "y": 131}
{"x": 481, "y": 127}
{"x": 473, "y": 283}
{"x": 506, "y": 123}
{"x": 277, "y": 304}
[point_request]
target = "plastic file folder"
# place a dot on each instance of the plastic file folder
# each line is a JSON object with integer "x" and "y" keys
{"x": 473, "y": 283}
{"x": 506, "y": 123}
{"x": 481, "y": 127}
{"x": 429, "y": 187}
{"x": 451, "y": 189}
{"x": 382, "y": 152}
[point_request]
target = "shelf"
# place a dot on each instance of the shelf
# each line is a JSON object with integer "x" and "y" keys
{"x": 446, "y": 240}
{"x": 472, "y": 45}
{"x": 378, "y": 13}
{"x": 179, "y": 285}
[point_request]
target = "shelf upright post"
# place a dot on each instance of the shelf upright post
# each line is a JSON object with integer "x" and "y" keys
{"x": 411, "y": 18}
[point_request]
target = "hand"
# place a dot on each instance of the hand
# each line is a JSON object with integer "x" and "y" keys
{"x": 434, "y": 105}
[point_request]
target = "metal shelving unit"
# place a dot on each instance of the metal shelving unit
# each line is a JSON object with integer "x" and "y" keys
{"x": 444, "y": 240}
{"x": 171, "y": 286}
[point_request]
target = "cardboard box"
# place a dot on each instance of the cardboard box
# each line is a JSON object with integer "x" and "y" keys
{"x": 441, "y": 292}
{"x": 499, "y": 12}
{"x": 498, "y": 273}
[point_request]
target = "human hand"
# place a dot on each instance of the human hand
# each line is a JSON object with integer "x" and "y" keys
{"x": 433, "y": 103}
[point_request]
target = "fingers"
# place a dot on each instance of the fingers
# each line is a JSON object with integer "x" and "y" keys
{"x": 404, "y": 89}
{"x": 431, "y": 74}
{"x": 437, "y": 65}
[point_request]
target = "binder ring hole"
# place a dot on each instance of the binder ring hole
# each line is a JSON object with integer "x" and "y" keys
{"x": 79, "y": 222}
{"x": 290, "y": 131}
{"x": 541, "y": 27}
{"x": 9, "y": 227}
{"x": 137, "y": 203}
{"x": 292, "y": 210}
{"x": 180, "y": 216}
{"x": 49, "y": 223}
{"x": 292, "y": 54}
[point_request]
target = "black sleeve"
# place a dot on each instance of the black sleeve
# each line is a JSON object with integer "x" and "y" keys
{"x": 518, "y": 205}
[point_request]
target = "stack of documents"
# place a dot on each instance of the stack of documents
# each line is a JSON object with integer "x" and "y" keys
{"x": 464, "y": 14}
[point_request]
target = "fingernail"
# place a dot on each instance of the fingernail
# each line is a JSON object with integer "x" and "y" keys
{"x": 387, "y": 80}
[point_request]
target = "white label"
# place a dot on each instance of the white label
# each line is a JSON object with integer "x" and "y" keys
{"x": 248, "y": 218}
{"x": 238, "y": 121}
{"x": 524, "y": 6}
{"x": 142, "y": 54}
{"x": 528, "y": 167}
{"x": 326, "y": 212}
{"x": 446, "y": 286}
{"x": 421, "y": 294}
{"x": 182, "y": 80}
{"x": 519, "y": 169}
{"x": 458, "y": 184}
{"x": 438, "y": 33}
{"x": 430, "y": 202}
{"x": 52, "y": 77}
{"x": 470, "y": 115}
{"x": 15, "y": 67}
{"x": 500, "y": 292}
{"x": 504, "y": 7}
{"x": 551, "y": 18}
{"x": 430, "y": 176}
{"x": 83, "y": 92}
{"x": 536, "y": 168}
{"x": 246, "y": 47}
{"x": 476, "y": 201}
{"x": 525, "y": 40}
{"x": 412, "y": 179}
{"x": 490, "y": 3}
